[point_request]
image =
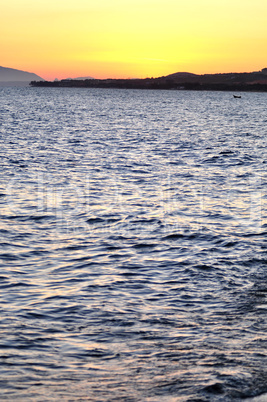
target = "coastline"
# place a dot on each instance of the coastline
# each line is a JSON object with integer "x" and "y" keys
{"x": 152, "y": 83}
{"x": 254, "y": 81}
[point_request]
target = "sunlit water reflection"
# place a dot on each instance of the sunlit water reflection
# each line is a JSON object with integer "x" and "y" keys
{"x": 133, "y": 245}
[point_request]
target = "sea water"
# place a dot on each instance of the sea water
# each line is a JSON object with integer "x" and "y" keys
{"x": 133, "y": 245}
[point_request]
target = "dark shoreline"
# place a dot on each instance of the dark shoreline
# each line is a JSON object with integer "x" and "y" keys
{"x": 254, "y": 81}
{"x": 150, "y": 83}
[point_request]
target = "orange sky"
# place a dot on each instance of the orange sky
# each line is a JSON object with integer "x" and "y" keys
{"x": 132, "y": 38}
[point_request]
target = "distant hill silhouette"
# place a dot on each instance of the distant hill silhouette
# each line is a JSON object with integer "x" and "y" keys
{"x": 11, "y": 75}
{"x": 77, "y": 78}
{"x": 223, "y": 79}
{"x": 254, "y": 81}
{"x": 182, "y": 75}
{"x": 83, "y": 78}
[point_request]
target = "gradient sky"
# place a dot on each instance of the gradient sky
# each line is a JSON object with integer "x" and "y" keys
{"x": 132, "y": 38}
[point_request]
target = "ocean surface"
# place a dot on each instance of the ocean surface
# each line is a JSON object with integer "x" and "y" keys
{"x": 132, "y": 245}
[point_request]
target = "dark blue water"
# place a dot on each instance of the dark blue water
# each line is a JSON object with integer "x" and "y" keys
{"x": 133, "y": 245}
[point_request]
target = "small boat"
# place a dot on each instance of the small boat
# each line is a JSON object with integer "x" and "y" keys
{"x": 237, "y": 96}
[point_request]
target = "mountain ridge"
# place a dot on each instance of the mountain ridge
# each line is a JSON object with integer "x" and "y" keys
{"x": 8, "y": 74}
{"x": 220, "y": 78}
{"x": 254, "y": 81}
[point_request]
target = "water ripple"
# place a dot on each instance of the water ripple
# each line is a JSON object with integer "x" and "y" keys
{"x": 132, "y": 245}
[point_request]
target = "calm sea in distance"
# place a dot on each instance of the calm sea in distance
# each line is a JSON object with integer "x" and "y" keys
{"x": 132, "y": 245}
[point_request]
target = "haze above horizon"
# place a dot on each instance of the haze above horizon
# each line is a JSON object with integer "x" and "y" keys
{"x": 125, "y": 39}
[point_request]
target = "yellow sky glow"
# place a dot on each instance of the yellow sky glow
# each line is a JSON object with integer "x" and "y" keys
{"x": 132, "y": 38}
